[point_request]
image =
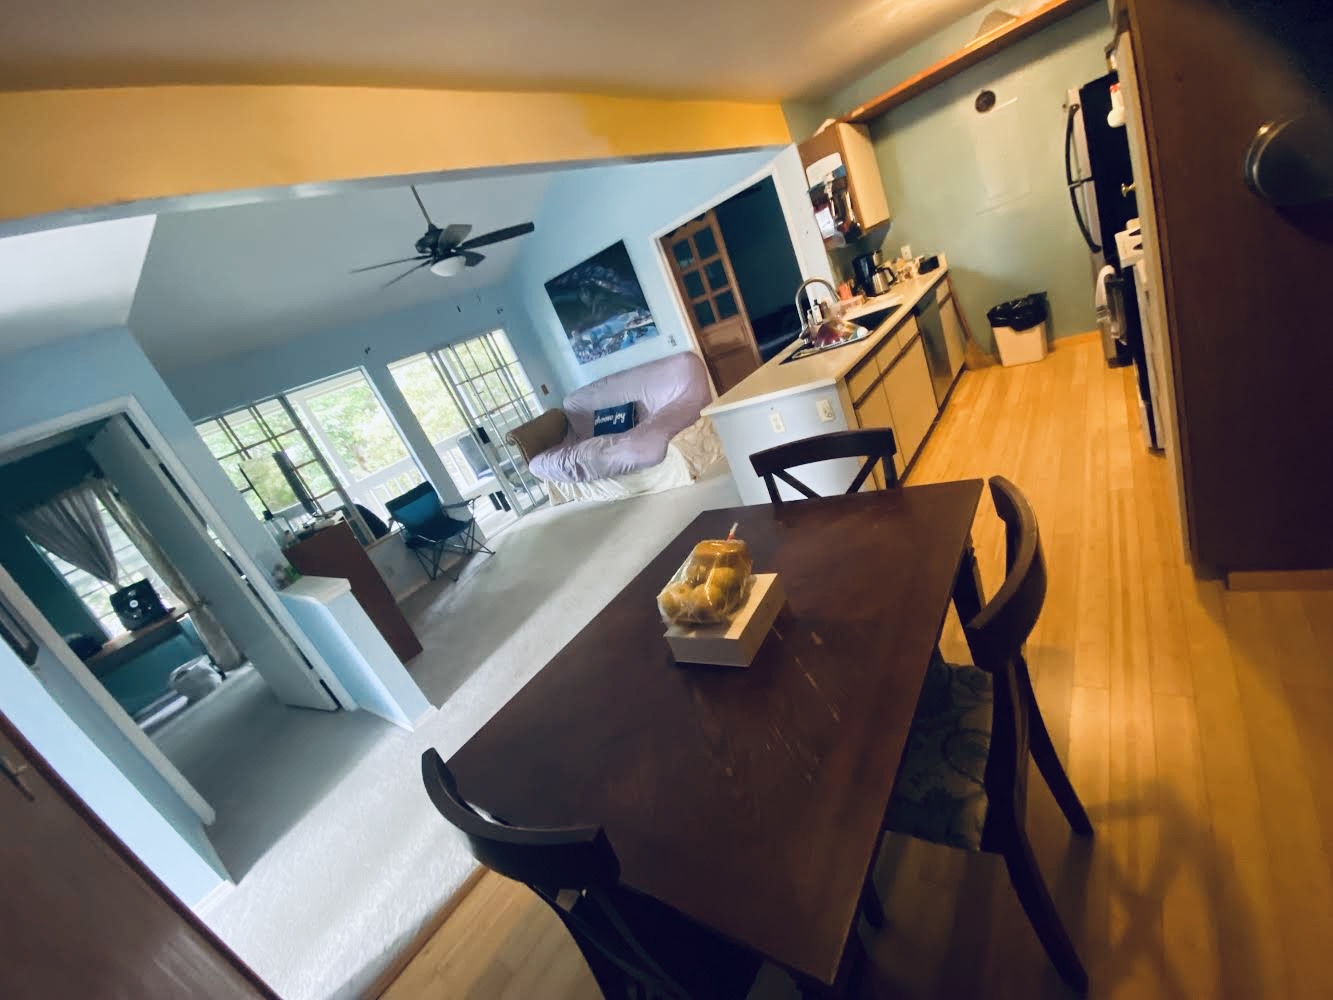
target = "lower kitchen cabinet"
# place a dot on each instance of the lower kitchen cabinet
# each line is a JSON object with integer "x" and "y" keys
{"x": 874, "y": 412}
{"x": 912, "y": 396}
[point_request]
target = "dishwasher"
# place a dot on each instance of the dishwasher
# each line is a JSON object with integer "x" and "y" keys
{"x": 931, "y": 325}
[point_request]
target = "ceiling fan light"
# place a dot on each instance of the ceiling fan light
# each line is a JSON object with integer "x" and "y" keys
{"x": 448, "y": 267}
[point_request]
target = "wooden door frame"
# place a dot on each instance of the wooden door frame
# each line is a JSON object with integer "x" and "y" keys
{"x": 789, "y": 216}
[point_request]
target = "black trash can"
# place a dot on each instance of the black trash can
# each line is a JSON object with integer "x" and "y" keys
{"x": 1019, "y": 326}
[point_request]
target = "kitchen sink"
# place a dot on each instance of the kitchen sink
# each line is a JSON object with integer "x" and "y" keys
{"x": 806, "y": 352}
{"x": 869, "y": 322}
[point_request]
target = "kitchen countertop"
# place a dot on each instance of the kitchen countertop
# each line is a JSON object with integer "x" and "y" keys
{"x": 775, "y": 379}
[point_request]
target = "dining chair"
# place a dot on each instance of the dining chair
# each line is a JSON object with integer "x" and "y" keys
{"x": 635, "y": 946}
{"x": 963, "y": 778}
{"x": 875, "y": 445}
{"x": 428, "y": 530}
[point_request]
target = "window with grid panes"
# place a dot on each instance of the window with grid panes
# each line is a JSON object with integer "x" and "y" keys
{"x": 492, "y": 382}
{"x": 253, "y": 432}
{"x": 96, "y": 594}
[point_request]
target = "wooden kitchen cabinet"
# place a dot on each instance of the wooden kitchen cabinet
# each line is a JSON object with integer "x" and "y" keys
{"x": 912, "y": 396}
{"x": 850, "y": 147}
{"x": 874, "y": 412}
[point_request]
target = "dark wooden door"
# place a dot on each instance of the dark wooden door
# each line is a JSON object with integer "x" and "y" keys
{"x": 713, "y": 303}
{"x": 79, "y": 915}
{"x": 1245, "y": 279}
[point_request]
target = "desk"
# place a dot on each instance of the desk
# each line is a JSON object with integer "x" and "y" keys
{"x": 124, "y": 648}
{"x": 750, "y": 800}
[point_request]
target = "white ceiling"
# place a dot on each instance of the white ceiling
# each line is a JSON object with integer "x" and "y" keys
{"x": 69, "y": 281}
{"x": 743, "y": 48}
{"x": 226, "y": 280}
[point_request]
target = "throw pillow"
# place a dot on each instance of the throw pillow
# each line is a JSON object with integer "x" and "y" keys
{"x": 613, "y": 419}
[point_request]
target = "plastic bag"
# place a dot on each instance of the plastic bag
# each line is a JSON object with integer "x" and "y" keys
{"x": 710, "y": 586}
{"x": 1019, "y": 314}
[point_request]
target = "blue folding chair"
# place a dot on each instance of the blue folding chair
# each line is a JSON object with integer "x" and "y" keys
{"x": 430, "y": 532}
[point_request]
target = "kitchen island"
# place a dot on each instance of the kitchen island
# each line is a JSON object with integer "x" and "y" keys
{"x": 898, "y": 377}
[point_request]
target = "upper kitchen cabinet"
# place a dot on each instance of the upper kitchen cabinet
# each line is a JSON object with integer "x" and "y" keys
{"x": 846, "y": 190}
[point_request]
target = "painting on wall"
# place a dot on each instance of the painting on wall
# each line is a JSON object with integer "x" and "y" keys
{"x": 601, "y": 305}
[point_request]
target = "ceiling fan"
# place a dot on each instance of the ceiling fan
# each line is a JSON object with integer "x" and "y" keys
{"x": 447, "y": 251}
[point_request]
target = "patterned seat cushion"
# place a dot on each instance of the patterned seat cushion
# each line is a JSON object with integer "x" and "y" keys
{"x": 940, "y": 791}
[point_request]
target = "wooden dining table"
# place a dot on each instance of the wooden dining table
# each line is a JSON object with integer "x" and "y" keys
{"x": 750, "y": 800}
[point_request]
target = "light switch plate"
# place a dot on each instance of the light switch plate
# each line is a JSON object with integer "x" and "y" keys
{"x": 825, "y": 410}
{"x": 775, "y": 418}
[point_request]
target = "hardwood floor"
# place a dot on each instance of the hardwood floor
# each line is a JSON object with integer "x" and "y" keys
{"x": 1196, "y": 723}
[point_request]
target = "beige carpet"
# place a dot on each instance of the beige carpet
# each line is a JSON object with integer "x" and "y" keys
{"x": 360, "y": 860}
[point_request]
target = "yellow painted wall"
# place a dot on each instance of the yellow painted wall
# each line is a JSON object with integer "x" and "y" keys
{"x": 75, "y": 149}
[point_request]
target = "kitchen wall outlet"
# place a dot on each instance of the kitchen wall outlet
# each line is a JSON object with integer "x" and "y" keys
{"x": 775, "y": 418}
{"x": 905, "y": 251}
{"x": 825, "y": 410}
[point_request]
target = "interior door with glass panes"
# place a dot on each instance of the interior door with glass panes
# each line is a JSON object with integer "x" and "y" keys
{"x": 490, "y": 386}
{"x": 713, "y": 303}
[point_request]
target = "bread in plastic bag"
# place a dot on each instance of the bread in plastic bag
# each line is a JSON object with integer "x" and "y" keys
{"x": 711, "y": 585}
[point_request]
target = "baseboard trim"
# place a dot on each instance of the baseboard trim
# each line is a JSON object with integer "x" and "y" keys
{"x": 1297, "y": 579}
{"x": 1074, "y": 339}
{"x": 215, "y": 896}
{"x": 404, "y": 958}
{"x": 424, "y": 717}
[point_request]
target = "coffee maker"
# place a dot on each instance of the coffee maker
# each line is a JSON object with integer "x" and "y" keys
{"x": 872, "y": 276}
{"x": 864, "y": 268}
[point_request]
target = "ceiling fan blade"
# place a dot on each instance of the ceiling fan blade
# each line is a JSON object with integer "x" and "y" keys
{"x": 388, "y": 263}
{"x": 421, "y": 205}
{"x": 410, "y": 270}
{"x": 472, "y": 259}
{"x": 453, "y": 235}
{"x": 499, "y": 236}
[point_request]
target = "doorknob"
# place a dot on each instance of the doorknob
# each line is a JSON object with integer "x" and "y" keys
{"x": 1290, "y": 162}
{"x": 14, "y": 774}
{"x": 1127, "y": 189}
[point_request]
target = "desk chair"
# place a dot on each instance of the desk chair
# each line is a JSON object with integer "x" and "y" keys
{"x": 430, "y": 532}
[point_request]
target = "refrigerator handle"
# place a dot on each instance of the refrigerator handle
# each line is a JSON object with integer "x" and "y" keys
{"x": 1075, "y": 184}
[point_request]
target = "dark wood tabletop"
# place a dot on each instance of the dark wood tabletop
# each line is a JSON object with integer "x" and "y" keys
{"x": 748, "y": 799}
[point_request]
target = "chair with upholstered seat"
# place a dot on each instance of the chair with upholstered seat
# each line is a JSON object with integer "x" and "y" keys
{"x": 876, "y": 445}
{"x": 634, "y": 945}
{"x": 963, "y": 778}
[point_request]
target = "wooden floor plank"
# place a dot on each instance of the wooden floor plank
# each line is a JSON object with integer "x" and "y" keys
{"x": 1197, "y": 726}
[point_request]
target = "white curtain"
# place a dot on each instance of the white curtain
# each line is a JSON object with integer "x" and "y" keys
{"x": 71, "y": 527}
{"x": 221, "y": 650}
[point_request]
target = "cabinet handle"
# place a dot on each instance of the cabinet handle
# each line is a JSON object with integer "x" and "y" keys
{"x": 14, "y": 774}
{"x": 1127, "y": 189}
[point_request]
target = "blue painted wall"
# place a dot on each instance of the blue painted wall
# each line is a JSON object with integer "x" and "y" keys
{"x": 587, "y": 210}
{"x": 152, "y": 821}
{"x": 69, "y": 376}
{"x": 210, "y": 389}
{"x": 41, "y": 385}
{"x": 929, "y": 157}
